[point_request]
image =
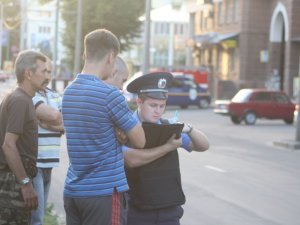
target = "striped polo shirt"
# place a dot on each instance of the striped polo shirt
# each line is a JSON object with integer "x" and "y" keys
{"x": 91, "y": 111}
{"x": 49, "y": 141}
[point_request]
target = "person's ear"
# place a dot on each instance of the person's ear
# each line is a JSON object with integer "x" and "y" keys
{"x": 28, "y": 74}
{"x": 110, "y": 58}
{"x": 138, "y": 101}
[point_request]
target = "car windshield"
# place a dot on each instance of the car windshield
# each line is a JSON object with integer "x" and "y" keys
{"x": 242, "y": 96}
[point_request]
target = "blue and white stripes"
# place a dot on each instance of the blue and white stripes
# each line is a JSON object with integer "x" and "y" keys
{"x": 91, "y": 111}
{"x": 49, "y": 141}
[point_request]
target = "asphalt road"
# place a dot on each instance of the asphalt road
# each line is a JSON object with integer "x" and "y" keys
{"x": 242, "y": 179}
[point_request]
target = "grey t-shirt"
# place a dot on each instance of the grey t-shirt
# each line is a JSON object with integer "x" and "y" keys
{"x": 17, "y": 115}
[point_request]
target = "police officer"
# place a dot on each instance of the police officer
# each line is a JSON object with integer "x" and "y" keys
{"x": 156, "y": 195}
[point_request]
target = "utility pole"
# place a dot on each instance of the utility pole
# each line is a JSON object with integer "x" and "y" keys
{"x": 23, "y": 29}
{"x": 171, "y": 45}
{"x": 298, "y": 116}
{"x": 146, "y": 56}
{"x": 1, "y": 33}
{"x": 78, "y": 38}
{"x": 56, "y": 39}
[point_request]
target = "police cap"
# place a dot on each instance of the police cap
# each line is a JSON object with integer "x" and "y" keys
{"x": 154, "y": 85}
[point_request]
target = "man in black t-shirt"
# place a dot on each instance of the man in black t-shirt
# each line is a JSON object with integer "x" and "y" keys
{"x": 18, "y": 140}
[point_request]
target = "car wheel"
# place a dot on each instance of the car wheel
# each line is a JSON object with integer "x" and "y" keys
{"x": 289, "y": 121}
{"x": 250, "y": 118}
{"x": 235, "y": 120}
{"x": 203, "y": 103}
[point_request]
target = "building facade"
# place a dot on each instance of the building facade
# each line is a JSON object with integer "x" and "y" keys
{"x": 39, "y": 29}
{"x": 169, "y": 31}
{"x": 244, "y": 43}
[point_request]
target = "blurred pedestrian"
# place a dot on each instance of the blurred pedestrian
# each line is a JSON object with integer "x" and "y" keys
{"x": 156, "y": 195}
{"x": 96, "y": 181}
{"x": 47, "y": 105}
{"x": 19, "y": 139}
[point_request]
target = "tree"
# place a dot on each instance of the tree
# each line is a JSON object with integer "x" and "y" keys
{"x": 119, "y": 16}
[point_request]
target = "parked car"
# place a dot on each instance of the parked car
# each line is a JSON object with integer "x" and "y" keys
{"x": 183, "y": 92}
{"x": 249, "y": 104}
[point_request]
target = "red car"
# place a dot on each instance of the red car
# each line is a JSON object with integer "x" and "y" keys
{"x": 250, "y": 104}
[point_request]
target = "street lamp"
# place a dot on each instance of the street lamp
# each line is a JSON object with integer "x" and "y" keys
{"x": 1, "y": 32}
{"x": 23, "y": 29}
{"x": 56, "y": 38}
{"x": 146, "y": 55}
{"x": 78, "y": 38}
{"x": 298, "y": 115}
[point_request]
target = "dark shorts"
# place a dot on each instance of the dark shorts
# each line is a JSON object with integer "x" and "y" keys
{"x": 104, "y": 210}
{"x": 12, "y": 209}
{"x": 165, "y": 216}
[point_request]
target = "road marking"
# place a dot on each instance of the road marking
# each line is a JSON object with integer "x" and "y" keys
{"x": 215, "y": 169}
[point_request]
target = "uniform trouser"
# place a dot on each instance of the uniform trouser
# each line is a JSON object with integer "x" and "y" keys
{"x": 12, "y": 208}
{"x": 164, "y": 216}
{"x": 41, "y": 185}
{"x": 104, "y": 210}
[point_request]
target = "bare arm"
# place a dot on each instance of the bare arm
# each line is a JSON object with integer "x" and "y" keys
{"x": 15, "y": 164}
{"x": 136, "y": 137}
{"x": 48, "y": 114}
{"x": 199, "y": 141}
{"x": 49, "y": 126}
{"x": 140, "y": 157}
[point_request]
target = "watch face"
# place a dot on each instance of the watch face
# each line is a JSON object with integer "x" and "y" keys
{"x": 25, "y": 181}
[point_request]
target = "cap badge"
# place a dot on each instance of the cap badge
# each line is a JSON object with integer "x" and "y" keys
{"x": 162, "y": 83}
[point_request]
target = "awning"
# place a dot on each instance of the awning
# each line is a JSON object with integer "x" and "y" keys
{"x": 209, "y": 38}
{"x": 223, "y": 37}
{"x": 214, "y": 38}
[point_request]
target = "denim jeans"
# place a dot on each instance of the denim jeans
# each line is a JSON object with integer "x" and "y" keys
{"x": 41, "y": 185}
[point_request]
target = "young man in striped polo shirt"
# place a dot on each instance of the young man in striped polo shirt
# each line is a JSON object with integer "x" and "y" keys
{"x": 47, "y": 106}
{"x": 96, "y": 181}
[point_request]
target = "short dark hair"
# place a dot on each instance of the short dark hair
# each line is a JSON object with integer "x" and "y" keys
{"x": 98, "y": 43}
{"x": 27, "y": 60}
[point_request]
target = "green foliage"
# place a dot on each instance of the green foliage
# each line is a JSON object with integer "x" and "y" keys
{"x": 119, "y": 16}
{"x": 50, "y": 219}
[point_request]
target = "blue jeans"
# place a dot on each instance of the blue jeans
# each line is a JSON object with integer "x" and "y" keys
{"x": 41, "y": 185}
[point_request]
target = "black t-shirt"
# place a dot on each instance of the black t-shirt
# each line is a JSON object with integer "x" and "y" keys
{"x": 17, "y": 115}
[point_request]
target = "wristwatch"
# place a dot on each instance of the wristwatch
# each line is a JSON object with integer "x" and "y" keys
{"x": 24, "y": 181}
{"x": 190, "y": 128}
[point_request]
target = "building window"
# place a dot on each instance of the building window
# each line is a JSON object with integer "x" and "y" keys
{"x": 167, "y": 28}
{"x": 201, "y": 21}
{"x": 44, "y": 30}
{"x": 220, "y": 14}
{"x": 236, "y": 10}
{"x": 233, "y": 59}
{"x": 156, "y": 28}
{"x": 227, "y": 11}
